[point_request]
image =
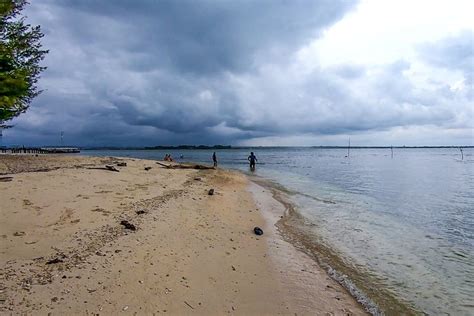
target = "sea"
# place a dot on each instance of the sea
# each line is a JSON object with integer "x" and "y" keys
{"x": 395, "y": 224}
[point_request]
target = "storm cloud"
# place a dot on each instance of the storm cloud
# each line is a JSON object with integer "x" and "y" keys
{"x": 206, "y": 72}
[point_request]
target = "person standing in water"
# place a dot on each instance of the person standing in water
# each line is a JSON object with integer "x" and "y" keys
{"x": 252, "y": 160}
{"x": 214, "y": 159}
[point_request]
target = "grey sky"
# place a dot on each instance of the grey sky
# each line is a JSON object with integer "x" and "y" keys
{"x": 248, "y": 72}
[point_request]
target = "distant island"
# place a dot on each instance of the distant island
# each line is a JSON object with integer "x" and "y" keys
{"x": 191, "y": 147}
{"x": 220, "y": 147}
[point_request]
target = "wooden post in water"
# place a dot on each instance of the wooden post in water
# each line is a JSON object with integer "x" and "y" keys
{"x": 348, "y": 148}
{"x": 462, "y": 154}
{"x": 391, "y": 148}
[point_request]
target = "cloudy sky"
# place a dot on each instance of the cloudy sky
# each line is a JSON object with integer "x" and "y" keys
{"x": 253, "y": 72}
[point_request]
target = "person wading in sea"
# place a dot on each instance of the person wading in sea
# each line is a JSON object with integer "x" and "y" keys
{"x": 252, "y": 160}
{"x": 214, "y": 159}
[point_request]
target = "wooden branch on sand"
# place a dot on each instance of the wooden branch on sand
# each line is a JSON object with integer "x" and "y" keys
{"x": 6, "y": 179}
{"x": 107, "y": 167}
{"x": 184, "y": 166}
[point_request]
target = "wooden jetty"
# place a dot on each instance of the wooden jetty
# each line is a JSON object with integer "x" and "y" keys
{"x": 40, "y": 150}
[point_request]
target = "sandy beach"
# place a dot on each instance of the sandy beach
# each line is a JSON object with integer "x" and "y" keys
{"x": 64, "y": 250}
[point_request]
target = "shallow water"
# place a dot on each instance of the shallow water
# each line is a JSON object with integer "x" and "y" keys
{"x": 407, "y": 221}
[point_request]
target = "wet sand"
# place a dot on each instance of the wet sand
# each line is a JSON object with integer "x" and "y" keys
{"x": 64, "y": 251}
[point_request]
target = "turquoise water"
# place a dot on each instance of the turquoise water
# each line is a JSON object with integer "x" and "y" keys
{"x": 408, "y": 221}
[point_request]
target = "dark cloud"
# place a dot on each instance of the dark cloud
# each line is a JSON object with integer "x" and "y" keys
{"x": 196, "y": 37}
{"x": 167, "y": 72}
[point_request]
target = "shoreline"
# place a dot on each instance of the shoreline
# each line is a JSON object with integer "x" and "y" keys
{"x": 191, "y": 252}
{"x": 291, "y": 227}
{"x": 303, "y": 274}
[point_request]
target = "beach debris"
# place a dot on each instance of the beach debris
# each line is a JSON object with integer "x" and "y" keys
{"x": 111, "y": 168}
{"x": 18, "y": 234}
{"x": 198, "y": 179}
{"x": 6, "y": 179}
{"x": 147, "y": 168}
{"x": 184, "y": 166}
{"x": 122, "y": 164}
{"x": 125, "y": 308}
{"x": 140, "y": 212}
{"x": 188, "y": 304}
{"x": 211, "y": 192}
{"x": 233, "y": 268}
{"x": 107, "y": 167}
{"x": 258, "y": 231}
{"x": 128, "y": 225}
{"x": 25, "y": 284}
{"x": 3, "y": 298}
{"x": 55, "y": 260}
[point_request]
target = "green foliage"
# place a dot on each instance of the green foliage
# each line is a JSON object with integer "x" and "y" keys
{"x": 20, "y": 57}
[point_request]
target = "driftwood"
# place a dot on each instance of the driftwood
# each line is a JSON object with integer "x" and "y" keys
{"x": 107, "y": 167}
{"x": 55, "y": 260}
{"x": 6, "y": 179}
{"x": 128, "y": 225}
{"x": 184, "y": 166}
{"x": 111, "y": 168}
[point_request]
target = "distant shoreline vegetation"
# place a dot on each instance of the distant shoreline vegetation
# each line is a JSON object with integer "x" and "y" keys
{"x": 220, "y": 147}
{"x": 190, "y": 147}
